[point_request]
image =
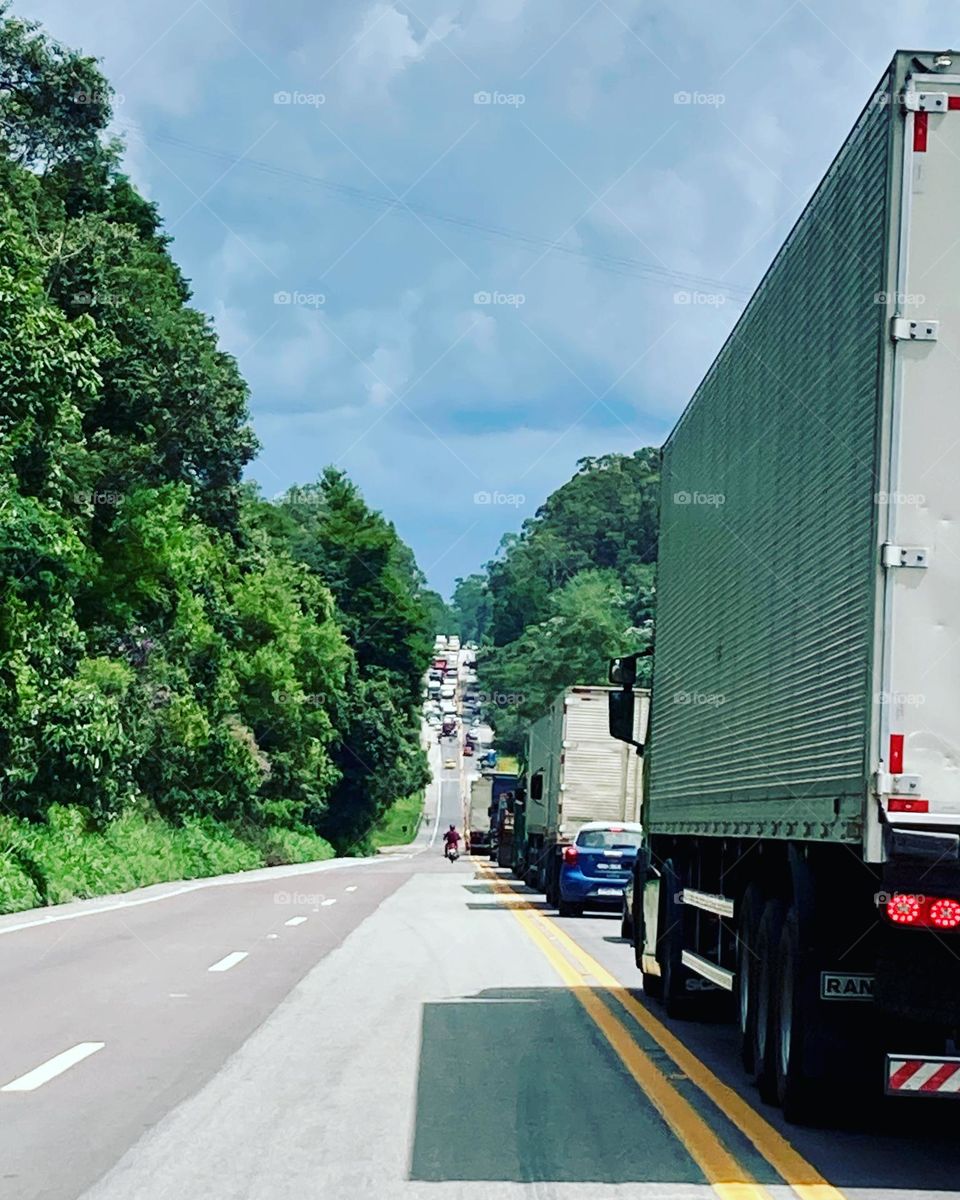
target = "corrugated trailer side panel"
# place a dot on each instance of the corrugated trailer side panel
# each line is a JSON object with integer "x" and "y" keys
{"x": 766, "y": 572}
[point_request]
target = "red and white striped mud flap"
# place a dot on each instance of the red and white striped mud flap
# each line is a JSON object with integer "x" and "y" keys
{"x": 927, "y": 1076}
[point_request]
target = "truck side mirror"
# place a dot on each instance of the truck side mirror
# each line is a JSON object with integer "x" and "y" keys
{"x": 624, "y": 672}
{"x": 620, "y": 708}
{"x": 621, "y": 715}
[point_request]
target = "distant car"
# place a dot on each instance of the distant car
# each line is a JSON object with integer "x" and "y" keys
{"x": 448, "y": 691}
{"x": 595, "y": 869}
{"x": 468, "y": 751}
{"x": 450, "y": 765}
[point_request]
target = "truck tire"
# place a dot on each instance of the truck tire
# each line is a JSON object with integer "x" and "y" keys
{"x": 553, "y": 881}
{"x": 749, "y": 912}
{"x": 796, "y": 1026}
{"x": 768, "y": 998}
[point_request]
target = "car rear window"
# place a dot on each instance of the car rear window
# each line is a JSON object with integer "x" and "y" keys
{"x": 609, "y": 839}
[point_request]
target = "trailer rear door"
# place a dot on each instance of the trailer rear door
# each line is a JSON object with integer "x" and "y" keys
{"x": 919, "y": 705}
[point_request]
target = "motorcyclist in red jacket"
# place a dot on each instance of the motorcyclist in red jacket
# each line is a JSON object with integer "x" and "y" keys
{"x": 451, "y": 838}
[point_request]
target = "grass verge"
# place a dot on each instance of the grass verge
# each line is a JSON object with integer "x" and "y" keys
{"x": 63, "y": 859}
{"x": 399, "y": 825}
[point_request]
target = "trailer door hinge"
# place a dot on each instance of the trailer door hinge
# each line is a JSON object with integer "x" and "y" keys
{"x": 925, "y": 101}
{"x": 904, "y": 556}
{"x": 905, "y": 329}
{"x": 885, "y": 784}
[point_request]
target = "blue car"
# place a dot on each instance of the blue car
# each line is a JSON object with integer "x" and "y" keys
{"x": 596, "y": 868}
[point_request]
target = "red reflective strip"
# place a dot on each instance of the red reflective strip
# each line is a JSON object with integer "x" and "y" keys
{"x": 939, "y": 1077}
{"x": 920, "y": 122}
{"x": 896, "y": 753}
{"x": 907, "y": 804}
{"x": 905, "y": 1073}
{"x": 953, "y": 102}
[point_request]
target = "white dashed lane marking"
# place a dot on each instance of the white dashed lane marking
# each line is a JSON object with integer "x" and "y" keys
{"x": 53, "y": 1067}
{"x": 231, "y": 960}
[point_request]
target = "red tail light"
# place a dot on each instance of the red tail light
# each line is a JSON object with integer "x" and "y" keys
{"x": 570, "y": 854}
{"x": 945, "y": 914}
{"x": 923, "y": 912}
{"x": 903, "y": 909}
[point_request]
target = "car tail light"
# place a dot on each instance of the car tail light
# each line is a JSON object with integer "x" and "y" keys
{"x": 570, "y": 854}
{"x": 923, "y": 912}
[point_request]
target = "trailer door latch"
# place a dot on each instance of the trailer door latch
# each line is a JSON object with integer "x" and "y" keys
{"x": 905, "y": 329}
{"x": 904, "y": 556}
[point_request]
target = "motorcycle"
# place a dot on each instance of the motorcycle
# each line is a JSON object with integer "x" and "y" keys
{"x": 451, "y": 853}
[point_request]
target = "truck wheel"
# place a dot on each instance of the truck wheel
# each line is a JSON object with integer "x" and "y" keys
{"x": 750, "y": 910}
{"x": 552, "y": 890}
{"x": 768, "y": 995}
{"x": 795, "y": 1025}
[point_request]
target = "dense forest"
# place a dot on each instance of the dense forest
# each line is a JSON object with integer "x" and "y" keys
{"x": 570, "y": 590}
{"x": 192, "y": 679}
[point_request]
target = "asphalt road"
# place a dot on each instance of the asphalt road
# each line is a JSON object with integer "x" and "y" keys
{"x": 396, "y": 1028}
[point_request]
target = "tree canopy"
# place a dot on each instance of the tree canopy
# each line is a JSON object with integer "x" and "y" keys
{"x": 170, "y": 642}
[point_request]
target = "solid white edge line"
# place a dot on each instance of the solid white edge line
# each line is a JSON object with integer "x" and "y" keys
{"x": 53, "y": 1067}
{"x": 214, "y": 881}
{"x": 229, "y": 961}
{"x": 295, "y": 921}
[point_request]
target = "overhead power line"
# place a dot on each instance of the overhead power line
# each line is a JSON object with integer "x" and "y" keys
{"x": 618, "y": 264}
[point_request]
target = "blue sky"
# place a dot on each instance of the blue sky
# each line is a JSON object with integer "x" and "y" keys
{"x": 457, "y": 247}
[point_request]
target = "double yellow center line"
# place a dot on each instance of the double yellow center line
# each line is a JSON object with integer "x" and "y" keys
{"x": 729, "y": 1179}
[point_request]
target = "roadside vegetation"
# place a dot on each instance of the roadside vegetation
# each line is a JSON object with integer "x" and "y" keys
{"x": 193, "y": 679}
{"x": 572, "y": 589}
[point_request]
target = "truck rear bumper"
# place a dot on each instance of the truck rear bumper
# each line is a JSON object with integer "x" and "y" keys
{"x": 924, "y": 1075}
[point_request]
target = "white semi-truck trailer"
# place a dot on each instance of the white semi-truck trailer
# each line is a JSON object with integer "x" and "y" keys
{"x": 576, "y": 772}
{"x": 802, "y": 807}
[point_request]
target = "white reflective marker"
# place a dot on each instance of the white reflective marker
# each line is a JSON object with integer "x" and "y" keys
{"x": 295, "y": 921}
{"x": 326, "y": 903}
{"x": 230, "y": 961}
{"x": 53, "y": 1067}
{"x": 351, "y": 889}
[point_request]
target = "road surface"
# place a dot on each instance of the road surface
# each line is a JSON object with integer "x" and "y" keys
{"x": 398, "y": 1028}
